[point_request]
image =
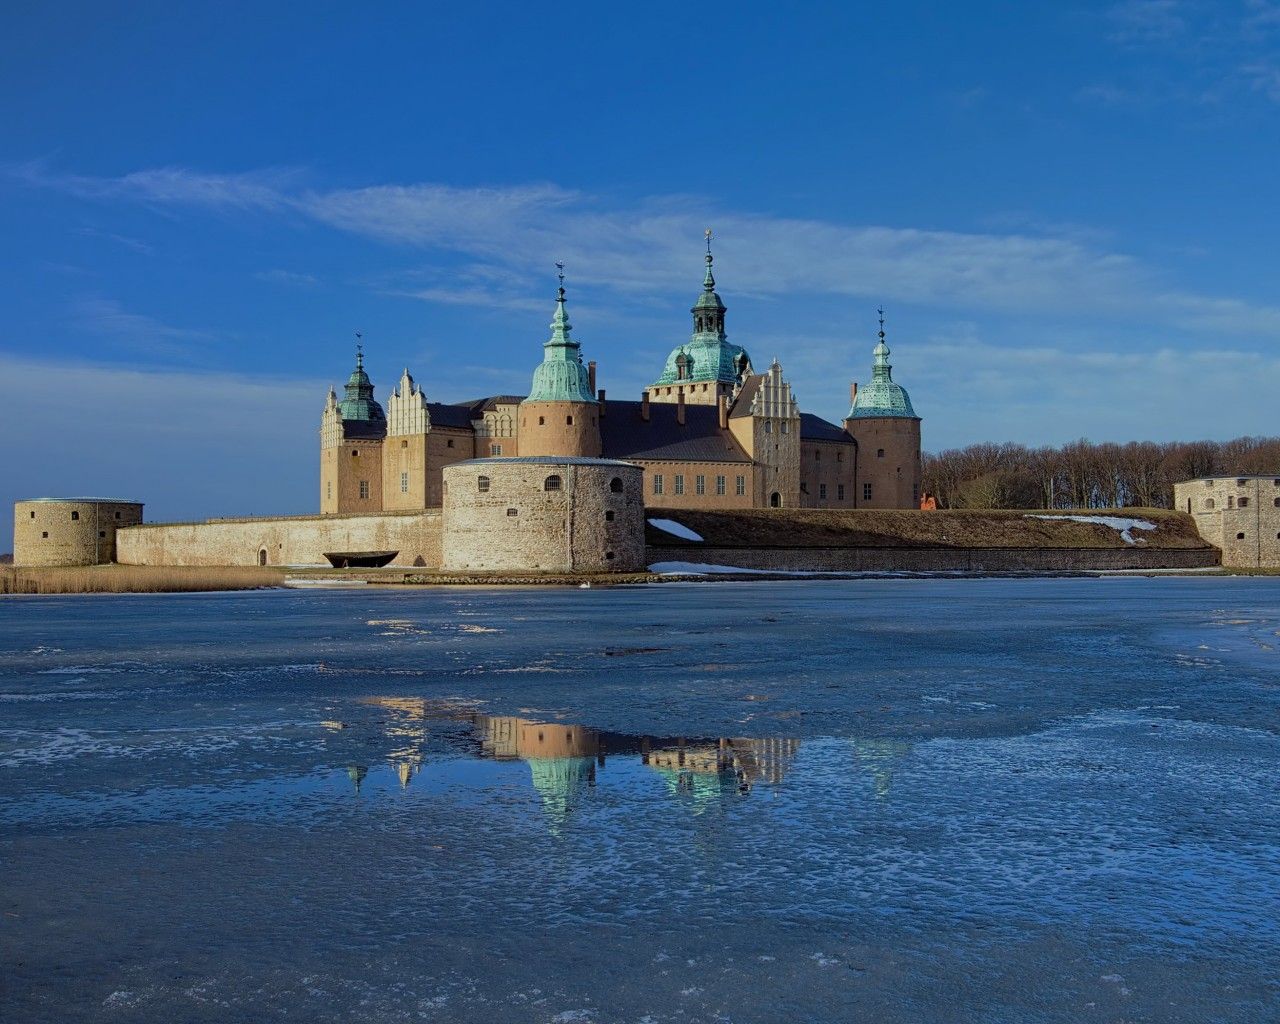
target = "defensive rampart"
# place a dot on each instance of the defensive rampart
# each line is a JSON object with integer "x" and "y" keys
{"x": 284, "y": 540}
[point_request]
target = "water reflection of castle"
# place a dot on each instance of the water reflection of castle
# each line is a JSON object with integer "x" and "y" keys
{"x": 563, "y": 759}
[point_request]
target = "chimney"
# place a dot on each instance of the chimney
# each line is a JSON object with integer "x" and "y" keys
{"x": 680, "y": 408}
{"x": 722, "y": 406}
{"x": 644, "y": 407}
{"x": 853, "y": 392}
{"x": 601, "y": 400}
{"x": 591, "y": 375}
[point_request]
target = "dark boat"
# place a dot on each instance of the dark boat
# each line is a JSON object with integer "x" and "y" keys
{"x": 359, "y": 559}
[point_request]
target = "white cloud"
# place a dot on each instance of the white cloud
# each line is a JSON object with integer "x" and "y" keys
{"x": 135, "y": 331}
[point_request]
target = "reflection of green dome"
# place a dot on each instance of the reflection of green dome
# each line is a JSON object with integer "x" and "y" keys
{"x": 561, "y": 377}
{"x": 882, "y": 397}
{"x": 559, "y": 781}
{"x": 358, "y": 403}
{"x": 701, "y": 788}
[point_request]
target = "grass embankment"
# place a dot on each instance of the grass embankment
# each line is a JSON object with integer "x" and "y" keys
{"x": 133, "y": 579}
{"x": 951, "y": 528}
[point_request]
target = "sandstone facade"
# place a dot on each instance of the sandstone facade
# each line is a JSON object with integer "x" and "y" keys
{"x": 1238, "y": 514}
{"x": 70, "y": 531}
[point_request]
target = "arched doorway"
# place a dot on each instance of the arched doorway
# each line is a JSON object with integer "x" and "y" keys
{"x": 775, "y": 500}
{"x": 262, "y": 556}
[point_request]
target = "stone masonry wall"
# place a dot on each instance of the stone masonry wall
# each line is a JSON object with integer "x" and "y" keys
{"x": 1241, "y": 515}
{"x": 940, "y": 559}
{"x": 291, "y": 540}
{"x": 69, "y": 532}
{"x": 499, "y": 515}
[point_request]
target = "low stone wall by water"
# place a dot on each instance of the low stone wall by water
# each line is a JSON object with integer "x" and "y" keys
{"x": 871, "y": 559}
{"x": 284, "y": 540}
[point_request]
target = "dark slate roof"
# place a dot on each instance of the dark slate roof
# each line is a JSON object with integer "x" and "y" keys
{"x": 482, "y": 405}
{"x": 746, "y": 395}
{"x": 544, "y": 460}
{"x": 626, "y": 435}
{"x": 364, "y": 430}
{"x": 442, "y": 415}
{"x": 815, "y": 428}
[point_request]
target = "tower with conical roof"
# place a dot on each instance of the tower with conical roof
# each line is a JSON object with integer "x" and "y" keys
{"x": 351, "y": 435}
{"x": 884, "y": 424}
{"x": 561, "y": 415}
{"x": 708, "y": 366}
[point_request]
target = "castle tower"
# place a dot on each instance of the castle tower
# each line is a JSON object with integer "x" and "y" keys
{"x": 887, "y": 430}
{"x": 561, "y": 416}
{"x": 351, "y": 437}
{"x": 708, "y": 366}
{"x": 765, "y": 419}
{"x": 405, "y": 482}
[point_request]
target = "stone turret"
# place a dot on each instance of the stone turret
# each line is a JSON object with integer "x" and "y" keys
{"x": 881, "y": 419}
{"x": 708, "y": 367}
{"x": 351, "y": 435}
{"x": 405, "y": 480}
{"x": 561, "y": 415}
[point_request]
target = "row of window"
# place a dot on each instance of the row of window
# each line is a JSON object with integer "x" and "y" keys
{"x": 75, "y": 515}
{"x": 817, "y": 454}
{"x": 1240, "y": 536}
{"x": 44, "y": 534}
{"x": 700, "y": 484}
{"x": 1234, "y": 502}
{"x": 551, "y": 483}
{"x": 1242, "y": 482}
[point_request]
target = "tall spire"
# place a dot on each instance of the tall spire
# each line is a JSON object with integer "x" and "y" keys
{"x": 881, "y": 367}
{"x": 561, "y": 377}
{"x": 708, "y": 311}
{"x": 708, "y": 280}
{"x": 882, "y": 397}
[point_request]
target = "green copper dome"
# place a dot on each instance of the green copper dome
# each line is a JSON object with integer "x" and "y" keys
{"x": 708, "y": 356}
{"x": 882, "y": 397}
{"x": 358, "y": 403}
{"x": 561, "y": 377}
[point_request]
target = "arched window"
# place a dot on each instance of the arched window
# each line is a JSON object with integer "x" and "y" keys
{"x": 1277, "y": 502}
{"x": 552, "y": 483}
{"x": 775, "y": 500}
{"x": 615, "y": 485}
{"x": 262, "y": 556}
{"x": 482, "y": 484}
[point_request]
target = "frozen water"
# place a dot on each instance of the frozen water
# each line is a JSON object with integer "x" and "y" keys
{"x": 908, "y": 800}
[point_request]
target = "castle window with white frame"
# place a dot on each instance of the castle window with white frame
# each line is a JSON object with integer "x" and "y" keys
{"x": 495, "y": 449}
{"x": 720, "y": 484}
{"x": 657, "y": 483}
{"x": 740, "y": 486}
{"x": 866, "y": 492}
{"x": 404, "y": 483}
{"x": 700, "y": 484}
{"x": 679, "y": 483}
{"x": 364, "y": 488}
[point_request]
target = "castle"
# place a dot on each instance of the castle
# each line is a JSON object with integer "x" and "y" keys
{"x": 557, "y": 480}
{"x": 709, "y": 433}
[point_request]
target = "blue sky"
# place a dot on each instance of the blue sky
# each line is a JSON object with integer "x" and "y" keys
{"x": 1068, "y": 210}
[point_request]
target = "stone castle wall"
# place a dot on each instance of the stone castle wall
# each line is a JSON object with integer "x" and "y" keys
{"x": 285, "y": 540}
{"x": 888, "y": 461}
{"x": 502, "y": 514}
{"x": 560, "y": 428}
{"x": 1240, "y": 515}
{"x": 870, "y": 559}
{"x": 70, "y": 531}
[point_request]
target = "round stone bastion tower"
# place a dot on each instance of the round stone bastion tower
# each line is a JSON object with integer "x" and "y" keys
{"x": 70, "y": 531}
{"x": 543, "y": 514}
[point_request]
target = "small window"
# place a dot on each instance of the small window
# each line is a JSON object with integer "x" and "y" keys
{"x": 1209, "y": 503}
{"x": 679, "y": 483}
{"x": 449, "y": 443}
{"x": 615, "y": 485}
{"x": 404, "y": 444}
{"x": 804, "y": 486}
{"x": 355, "y": 453}
{"x": 495, "y": 449}
{"x": 839, "y": 455}
{"x": 328, "y": 489}
{"x": 768, "y": 426}
{"x": 75, "y": 515}
{"x": 822, "y": 491}
{"x": 482, "y": 484}
{"x": 608, "y": 516}
{"x": 1239, "y": 536}
{"x": 866, "y": 492}
{"x": 364, "y": 488}
{"x": 1244, "y": 502}
{"x": 1275, "y": 483}
{"x": 1241, "y": 482}
{"x": 839, "y": 492}
{"x": 552, "y": 483}
{"x": 817, "y": 455}
{"x": 1277, "y": 503}
{"x": 568, "y": 421}
{"x": 915, "y": 494}
{"x": 102, "y": 533}
{"x": 785, "y": 426}
{"x": 608, "y": 556}
{"x": 657, "y": 483}
{"x": 740, "y": 486}
{"x": 45, "y": 534}
{"x": 700, "y": 484}
{"x": 33, "y": 515}
{"x": 542, "y": 420}
{"x": 879, "y": 453}
{"x": 117, "y": 515}
{"x": 404, "y": 483}
{"x": 513, "y": 511}
{"x": 720, "y": 485}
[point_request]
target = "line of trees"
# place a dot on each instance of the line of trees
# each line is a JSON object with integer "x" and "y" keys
{"x": 1087, "y": 475}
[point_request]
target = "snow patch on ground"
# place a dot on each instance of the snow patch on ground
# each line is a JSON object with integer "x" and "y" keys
{"x": 1125, "y": 526}
{"x": 675, "y": 529}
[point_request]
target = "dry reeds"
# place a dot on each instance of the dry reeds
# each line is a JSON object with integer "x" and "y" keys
{"x": 134, "y": 579}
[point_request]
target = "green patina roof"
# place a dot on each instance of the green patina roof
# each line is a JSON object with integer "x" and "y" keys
{"x": 882, "y": 397}
{"x": 358, "y": 403}
{"x": 708, "y": 356}
{"x": 561, "y": 377}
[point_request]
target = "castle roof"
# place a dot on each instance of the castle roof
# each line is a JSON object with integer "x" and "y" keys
{"x": 561, "y": 377}
{"x": 882, "y": 397}
{"x": 358, "y": 404}
{"x": 626, "y": 434}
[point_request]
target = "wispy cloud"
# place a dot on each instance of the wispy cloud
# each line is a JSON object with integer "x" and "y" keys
{"x": 136, "y": 331}
{"x": 291, "y": 278}
{"x": 1147, "y": 21}
{"x": 134, "y": 244}
{"x": 648, "y": 247}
